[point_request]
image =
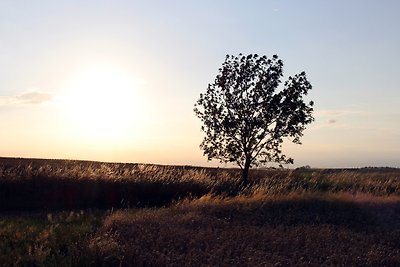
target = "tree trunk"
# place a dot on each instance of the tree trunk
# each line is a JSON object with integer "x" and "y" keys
{"x": 245, "y": 175}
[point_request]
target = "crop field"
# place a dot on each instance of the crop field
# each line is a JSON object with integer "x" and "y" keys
{"x": 82, "y": 213}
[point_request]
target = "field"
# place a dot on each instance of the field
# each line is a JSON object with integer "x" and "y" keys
{"x": 81, "y": 213}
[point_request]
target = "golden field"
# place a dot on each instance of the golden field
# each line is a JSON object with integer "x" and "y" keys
{"x": 82, "y": 213}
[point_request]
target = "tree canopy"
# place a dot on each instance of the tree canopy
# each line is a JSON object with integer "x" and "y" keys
{"x": 246, "y": 114}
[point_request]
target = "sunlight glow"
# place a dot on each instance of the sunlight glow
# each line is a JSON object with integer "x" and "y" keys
{"x": 102, "y": 103}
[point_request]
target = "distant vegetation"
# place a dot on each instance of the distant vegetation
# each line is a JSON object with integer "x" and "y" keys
{"x": 82, "y": 213}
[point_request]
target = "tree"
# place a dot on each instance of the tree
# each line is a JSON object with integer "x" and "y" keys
{"x": 246, "y": 114}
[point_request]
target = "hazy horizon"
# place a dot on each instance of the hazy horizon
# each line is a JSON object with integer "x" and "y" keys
{"x": 117, "y": 81}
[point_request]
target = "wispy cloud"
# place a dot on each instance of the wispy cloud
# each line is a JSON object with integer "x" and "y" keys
{"x": 355, "y": 119}
{"x": 341, "y": 112}
{"x": 336, "y": 118}
{"x": 30, "y": 97}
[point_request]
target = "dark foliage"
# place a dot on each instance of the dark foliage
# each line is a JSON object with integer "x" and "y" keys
{"x": 246, "y": 115}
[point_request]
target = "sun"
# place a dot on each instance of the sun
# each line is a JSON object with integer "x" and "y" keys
{"x": 101, "y": 103}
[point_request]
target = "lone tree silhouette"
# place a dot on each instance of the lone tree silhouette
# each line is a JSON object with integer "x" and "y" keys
{"x": 245, "y": 115}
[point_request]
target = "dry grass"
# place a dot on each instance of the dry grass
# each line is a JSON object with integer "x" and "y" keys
{"x": 191, "y": 216}
{"x": 377, "y": 181}
{"x": 27, "y": 184}
{"x": 291, "y": 230}
{"x": 60, "y": 184}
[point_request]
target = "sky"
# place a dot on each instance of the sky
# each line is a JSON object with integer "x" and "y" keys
{"x": 117, "y": 80}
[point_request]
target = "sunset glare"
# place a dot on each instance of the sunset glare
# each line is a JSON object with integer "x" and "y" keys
{"x": 102, "y": 104}
{"x": 117, "y": 80}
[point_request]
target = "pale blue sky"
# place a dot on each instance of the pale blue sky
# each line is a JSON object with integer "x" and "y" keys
{"x": 171, "y": 50}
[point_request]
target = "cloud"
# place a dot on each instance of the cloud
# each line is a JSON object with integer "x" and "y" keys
{"x": 31, "y": 97}
{"x": 341, "y": 113}
{"x": 34, "y": 98}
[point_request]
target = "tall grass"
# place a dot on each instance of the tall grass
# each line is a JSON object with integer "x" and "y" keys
{"x": 68, "y": 184}
{"x": 59, "y": 184}
{"x": 192, "y": 216}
